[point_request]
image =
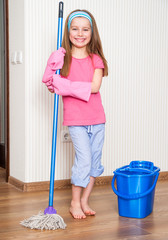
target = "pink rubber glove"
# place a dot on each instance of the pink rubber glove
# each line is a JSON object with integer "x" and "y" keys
{"x": 65, "y": 87}
{"x": 55, "y": 62}
{"x": 56, "y": 59}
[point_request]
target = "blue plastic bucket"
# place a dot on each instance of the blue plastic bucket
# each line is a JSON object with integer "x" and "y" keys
{"x": 135, "y": 188}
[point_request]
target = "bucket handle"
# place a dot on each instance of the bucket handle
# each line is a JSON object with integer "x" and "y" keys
{"x": 134, "y": 196}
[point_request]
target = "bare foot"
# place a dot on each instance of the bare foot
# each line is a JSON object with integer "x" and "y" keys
{"x": 86, "y": 209}
{"x": 77, "y": 212}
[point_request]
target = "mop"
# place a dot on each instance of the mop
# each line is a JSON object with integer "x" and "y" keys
{"x": 50, "y": 219}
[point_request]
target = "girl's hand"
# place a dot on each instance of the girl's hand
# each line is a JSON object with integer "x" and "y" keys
{"x": 49, "y": 86}
{"x": 51, "y": 89}
{"x": 56, "y": 59}
{"x": 97, "y": 80}
{"x": 55, "y": 62}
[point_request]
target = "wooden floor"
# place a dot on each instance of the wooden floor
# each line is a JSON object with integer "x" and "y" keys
{"x": 2, "y": 175}
{"x": 106, "y": 225}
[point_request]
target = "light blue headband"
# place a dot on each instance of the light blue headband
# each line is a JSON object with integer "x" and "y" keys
{"x": 78, "y": 14}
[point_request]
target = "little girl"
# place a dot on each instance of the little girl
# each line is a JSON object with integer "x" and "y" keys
{"x": 83, "y": 67}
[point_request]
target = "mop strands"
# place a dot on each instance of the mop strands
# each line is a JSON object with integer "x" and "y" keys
{"x": 50, "y": 220}
{"x": 44, "y": 222}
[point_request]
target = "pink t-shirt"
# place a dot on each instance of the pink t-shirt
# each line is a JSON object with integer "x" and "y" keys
{"x": 78, "y": 112}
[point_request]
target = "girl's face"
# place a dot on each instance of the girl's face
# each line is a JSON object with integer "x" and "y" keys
{"x": 80, "y": 32}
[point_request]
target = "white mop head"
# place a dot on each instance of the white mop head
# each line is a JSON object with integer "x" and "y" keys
{"x": 44, "y": 221}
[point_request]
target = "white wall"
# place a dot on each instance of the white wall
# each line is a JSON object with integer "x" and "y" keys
{"x": 135, "y": 40}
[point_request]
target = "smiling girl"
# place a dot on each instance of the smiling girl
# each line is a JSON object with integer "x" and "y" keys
{"x": 79, "y": 83}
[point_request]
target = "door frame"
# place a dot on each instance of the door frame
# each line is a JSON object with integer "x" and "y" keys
{"x": 7, "y": 130}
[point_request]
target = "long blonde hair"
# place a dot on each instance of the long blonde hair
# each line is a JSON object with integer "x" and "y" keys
{"x": 93, "y": 47}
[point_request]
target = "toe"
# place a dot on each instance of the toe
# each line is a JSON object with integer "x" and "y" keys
{"x": 90, "y": 213}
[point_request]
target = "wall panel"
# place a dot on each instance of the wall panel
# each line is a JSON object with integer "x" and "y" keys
{"x": 135, "y": 41}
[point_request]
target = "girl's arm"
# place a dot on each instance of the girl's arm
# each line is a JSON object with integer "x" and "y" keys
{"x": 97, "y": 80}
{"x": 55, "y": 62}
{"x": 63, "y": 86}
{"x": 82, "y": 90}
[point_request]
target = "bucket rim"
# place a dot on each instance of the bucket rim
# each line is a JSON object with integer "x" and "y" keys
{"x": 118, "y": 171}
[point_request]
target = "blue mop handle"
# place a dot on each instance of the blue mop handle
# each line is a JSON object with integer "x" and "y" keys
{"x": 55, "y": 116}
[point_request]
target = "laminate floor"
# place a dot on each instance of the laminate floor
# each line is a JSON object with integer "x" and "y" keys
{"x": 106, "y": 225}
{"x": 2, "y": 175}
